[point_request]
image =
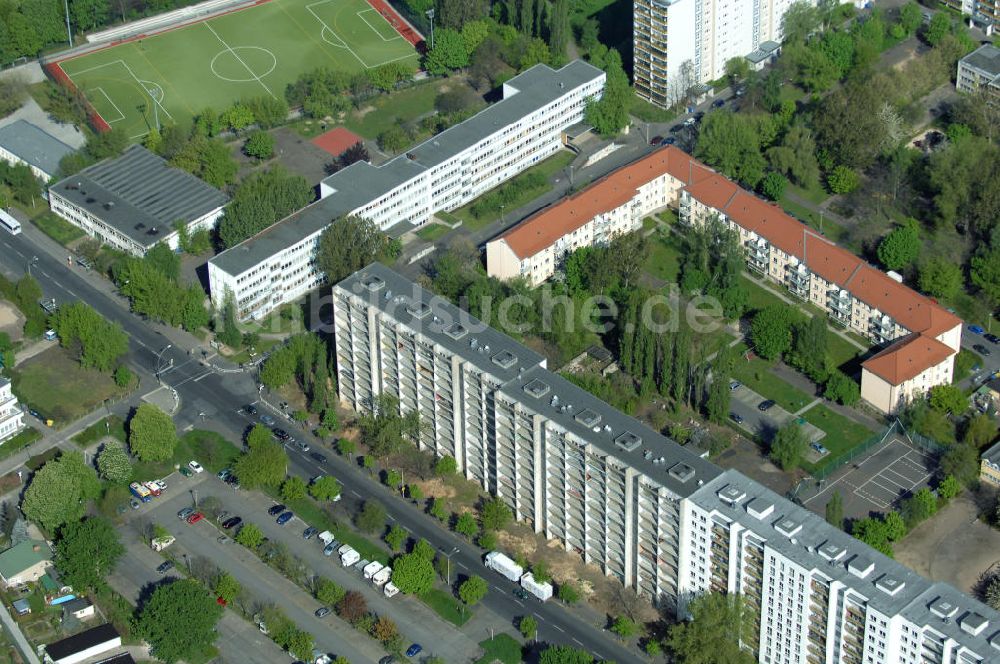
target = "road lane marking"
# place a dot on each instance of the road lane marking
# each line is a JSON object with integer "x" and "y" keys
{"x": 558, "y": 627}
{"x": 518, "y": 603}
{"x": 462, "y": 566}
{"x": 577, "y": 641}
{"x": 355, "y": 493}
{"x": 204, "y": 375}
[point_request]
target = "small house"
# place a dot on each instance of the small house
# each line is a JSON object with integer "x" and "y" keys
{"x": 26, "y": 562}
{"x": 22, "y": 607}
{"x": 80, "y": 608}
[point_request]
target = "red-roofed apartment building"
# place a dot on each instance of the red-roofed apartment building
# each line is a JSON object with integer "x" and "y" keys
{"x": 920, "y": 338}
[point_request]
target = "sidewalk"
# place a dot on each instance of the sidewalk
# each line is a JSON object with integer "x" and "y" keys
{"x": 794, "y": 378}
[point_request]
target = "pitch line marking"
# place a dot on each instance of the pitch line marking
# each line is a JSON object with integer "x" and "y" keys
{"x": 121, "y": 116}
{"x": 139, "y": 82}
{"x": 236, "y": 55}
{"x": 374, "y": 29}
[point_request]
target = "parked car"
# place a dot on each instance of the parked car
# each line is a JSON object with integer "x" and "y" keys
{"x": 165, "y": 566}
{"x": 222, "y": 539}
{"x": 233, "y": 481}
{"x": 718, "y": 103}
{"x": 322, "y": 612}
{"x": 320, "y": 458}
{"x": 676, "y": 128}
{"x": 309, "y": 532}
{"x": 134, "y": 504}
{"x": 229, "y": 524}
{"x": 992, "y": 338}
{"x": 765, "y": 405}
{"x": 330, "y": 548}
{"x": 160, "y": 484}
{"x": 302, "y": 445}
{"x": 185, "y": 471}
{"x": 267, "y": 419}
{"x": 222, "y": 516}
{"x": 224, "y": 474}
{"x": 819, "y": 448}
{"x": 975, "y": 329}
{"x": 280, "y": 434}
{"x": 414, "y": 650}
{"x": 521, "y": 593}
{"x": 195, "y": 466}
{"x": 735, "y": 384}
{"x": 185, "y": 513}
{"x": 669, "y": 140}
{"x": 195, "y": 518}
{"x": 250, "y": 409}
{"x": 275, "y": 510}
{"x": 284, "y": 518}
{"x": 982, "y": 350}
{"x": 736, "y": 417}
{"x": 656, "y": 140}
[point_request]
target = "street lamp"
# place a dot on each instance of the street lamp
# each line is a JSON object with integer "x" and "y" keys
{"x": 32, "y": 262}
{"x": 430, "y": 15}
{"x": 447, "y": 575}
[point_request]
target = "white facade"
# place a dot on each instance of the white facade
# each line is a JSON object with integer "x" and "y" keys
{"x": 11, "y": 415}
{"x": 443, "y": 173}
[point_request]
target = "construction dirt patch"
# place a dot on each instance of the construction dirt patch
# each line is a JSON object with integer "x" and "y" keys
{"x": 11, "y": 320}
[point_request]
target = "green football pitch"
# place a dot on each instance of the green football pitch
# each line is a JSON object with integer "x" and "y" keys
{"x": 257, "y": 51}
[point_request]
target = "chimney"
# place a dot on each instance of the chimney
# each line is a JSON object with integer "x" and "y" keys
{"x": 36, "y": 548}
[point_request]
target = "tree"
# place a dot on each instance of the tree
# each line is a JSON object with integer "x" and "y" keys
{"x": 250, "y": 536}
{"x": 229, "y": 334}
{"x": 609, "y": 114}
{"x": 352, "y": 606}
{"x": 565, "y": 655}
{"x": 528, "y": 627}
{"x": 895, "y": 527}
{"x": 324, "y": 488}
{"x": 920, "y": 506}
{"x": 771, "y": 331}
{"x": 152, "y": 435}
{"x": 58, "y": 492}
{"x": 394, "y": 139}
{"x": 300, "y": 644}
{"x": 873, "y": 532}
{"x": 788, "y": 447}
{"x": 842, "y": 388}
{"x": 466, "y": 525}
{"x": 413, "y": 573}
{"x": 773, "y": 185}
{"x": 260, "y": 200}
{"x": 396, "y": 538}
{"x": 237, "y": 117}
{"x": 293, "y": 488}
{"x": 449, "y": 52}
{"x": 624, "y": 627}
{"x": 456, "y": 13}
{"x": 800, "y": 20}
{"x": 568, "y": 593}
{"x": 179, "y": 620}
{"x": 123, "y": 376}
{"x": 718, "y": 624}
{"x": 473, "y": 590}
{"x": 163, "y": 259}
{"x": 446, "y": 466}
{"x": 835, "y": 510}
{"x": 985, "y": 272}
{"x": 901, "y": 247}
{"x": 948, "y": 399}
{"x": 423, "y": 549}
{"x": 559, "y": 29}
{"x": 265, "y": 463}
{"x": 113, "y": 463}
{"x": 938, "y": 28}
{"x": 979, "y": 430}
{"x": 438, "y": 509}
{"x": 495, "y": 513}
{"x": 809, "y": 343}
{"x": 385, "y": 630}
{"x": 328, "y": 592}
{"x": 227, "y": 587}
{"x": 268, "y": 111}
{"x": 731, "y": 143}
{"x": 259, "y": 144}
{"x": 940, "y": 277}
{"x": 371, "y": 518}
{"x": 393, "y": 478}
{"x": 992, "y": 594}
{"x": 348, "y": 244}
{"x": 87, "y": 552}
{"x": 209, "y": 159}
{"x": 910, "y": 17}
{"x": 737, "y": 69}
{"x": 961, "y": 461}
{"x": 847, "y": 124}
{"x": 96, "y": 342}
{"x": 949, "y": 487}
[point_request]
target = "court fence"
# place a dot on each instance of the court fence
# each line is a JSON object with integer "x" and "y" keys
{"x": 857, "y": 451}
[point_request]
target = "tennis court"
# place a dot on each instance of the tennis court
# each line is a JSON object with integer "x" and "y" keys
{"x": 172, "y": 76}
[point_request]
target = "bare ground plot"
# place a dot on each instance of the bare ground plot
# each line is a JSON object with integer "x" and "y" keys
{"x": 745, "y": 457}
{"x": 299, "y": 155}
{"x": 11, "y": 320}
{"x": 953, "y": 546}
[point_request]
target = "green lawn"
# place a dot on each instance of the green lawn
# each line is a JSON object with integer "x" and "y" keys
{"x": 400, "y": 107}
{"x": 432, "y": 232}
{"x": 760, "y": 297}
{"x": 814, "y": 194}
{"x": 503, "y": 648}
{"x": 112, "y": 425}
{"x": 285, "y": 320}
{"x": 842, "y": 433}
{"x": 58, "y": 229}
{"x": 829, "y": 229}
{"x": 547, "y": 169}
{"x": 840, "y": 350}
{"x": 54, "y": 384}
{"x": 256, "y": 51}
{"x": 664, "y": 260}
{"x": 755, "y": 374}
{"x": 14, "y": 445}
{"x": 447, "y": 606}
{"x": 964, "y": 361}
{"x": 647, "y": 112}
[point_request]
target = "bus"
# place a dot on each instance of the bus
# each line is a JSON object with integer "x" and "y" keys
{"x": 9, "y": 223}
{"x": 140, "y": 492}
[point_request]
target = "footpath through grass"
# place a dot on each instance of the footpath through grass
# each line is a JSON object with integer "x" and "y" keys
{"x": 447, "y": 606}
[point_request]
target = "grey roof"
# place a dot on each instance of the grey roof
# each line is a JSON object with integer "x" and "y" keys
{"x": 986, "y": 58}
{"x": 360, "y": 183}
{"x": 139, "y": 192}
{"x": 661, "y": 459}
{"x": 34, "y": 145}
{"x": 77, "y": 604}
{"x": 764, "y": 50}
{"x": 992, "y": 455}
{"x": 889, "y": 587}
{"x": 79, "y": 642}
{"x": 435, "y": 318}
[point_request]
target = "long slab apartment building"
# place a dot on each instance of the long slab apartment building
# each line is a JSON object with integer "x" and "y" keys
{"x": 443, "y": 173}
{"x": 647, "y": 511}
{"x": 920, "y": 338}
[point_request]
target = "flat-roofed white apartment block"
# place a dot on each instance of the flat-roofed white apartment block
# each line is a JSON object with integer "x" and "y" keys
{"x": 11, "y": 414}
{"x": 442, "y": 173}
{"x": 821, "y": 596}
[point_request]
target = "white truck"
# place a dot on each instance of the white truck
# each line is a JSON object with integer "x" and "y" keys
{"x": 390, "y": 590}
{"x": 371, "y": 569}
{"x": 501, "y": 563}
{"x": 542, "y": 591}
{"x": 326, "y": 537}
{"x": 348, "y": 556}
{"x": 160, "y": 543}
{"x": 382, "y": 577}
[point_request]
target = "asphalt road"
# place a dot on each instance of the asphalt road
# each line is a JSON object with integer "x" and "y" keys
{"x": 213, "y": 400}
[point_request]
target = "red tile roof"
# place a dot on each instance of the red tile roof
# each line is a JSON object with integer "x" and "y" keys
{"x": 546, "y": 227}
{"x": 908, "y": 358}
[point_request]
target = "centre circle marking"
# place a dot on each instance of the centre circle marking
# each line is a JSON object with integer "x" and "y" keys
{"x": 249, "y": 77}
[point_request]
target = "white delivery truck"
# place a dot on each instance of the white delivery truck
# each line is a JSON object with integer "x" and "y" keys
{"x": 348, "y": 556}
{"x": 382, "y": 577}
{"x": 501, "y": 563}
{"x": 326, "y": 537}
{"x": 371, "y": 568}
{"x": 390, "y": 589}
{"x": 542, "y": 591}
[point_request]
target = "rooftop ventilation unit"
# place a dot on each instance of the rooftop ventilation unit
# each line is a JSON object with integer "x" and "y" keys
{"x": 732, "y": 495}
{"x": 890, "y": 585}
{"x": 628, "y": 441}
{"x": 788, "y": 527}
{"x": 860, "y": 566}
{"x": 588, "y": 418}
{"x": 536, "y": 388}
{"x": 418, "y": 310}
{"x": 942, "y": 608}
{"x": 681, "y": 472}
{"x": 153, "y": 231}
{"x": 973, "y": 623}
{"x": 760, "y": 508}
{"x": 109, "y": 205}
{"x": 456, "y": 331}
{"x": 373, "y": 283}
{"x": 832, "y": 551}
{"x": 140, "y": 226}
{"x": 504, "y": 359}
{"x": 995, "y": 641}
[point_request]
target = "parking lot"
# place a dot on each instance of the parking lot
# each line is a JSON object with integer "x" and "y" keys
{"x": 878, "y": 482}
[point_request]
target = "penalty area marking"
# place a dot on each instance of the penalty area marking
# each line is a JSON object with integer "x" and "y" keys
{"x": 327, "y": 28}
{"x": 388, "y": 39}
{"x": 121, "y": 116}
